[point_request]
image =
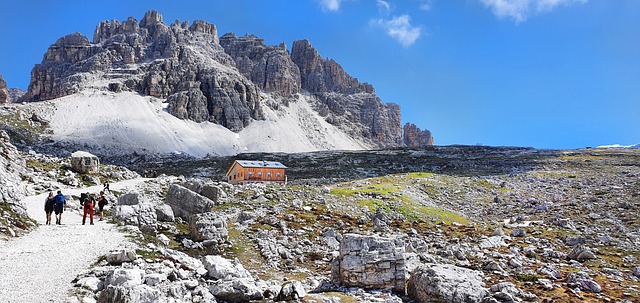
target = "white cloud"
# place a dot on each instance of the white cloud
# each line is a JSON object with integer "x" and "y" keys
{"x": 520, "y": 10}
{"x": 383, "y": 7}
{"x": 330, "y": 5}
{"x": 426, "y": 5}
{"x": 400, "y": 28}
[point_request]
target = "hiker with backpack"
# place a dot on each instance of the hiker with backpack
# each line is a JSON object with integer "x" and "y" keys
{"x": 102, "y": 201}
{"x": 49, "y": 203}
{"x": 87, "y": 201}
{"x": 61, "y": 201}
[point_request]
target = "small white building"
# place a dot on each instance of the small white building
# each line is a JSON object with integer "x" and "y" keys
{"x": 85, "y": 163}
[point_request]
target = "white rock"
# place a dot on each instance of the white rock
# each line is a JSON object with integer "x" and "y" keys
{"x": 221, "y": 268}
{"x": 92, "y": 283}
{"x": 155, "y": 279}
{"x": 124, "y": 277}
{"x": 446, "y": 283}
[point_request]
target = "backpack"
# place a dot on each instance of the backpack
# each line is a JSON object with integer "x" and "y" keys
{"x": 102, "y": 201}
{"x": 83, "y": 197}
{"x": 50, "y": 202}
{"x": 60, "y": 199}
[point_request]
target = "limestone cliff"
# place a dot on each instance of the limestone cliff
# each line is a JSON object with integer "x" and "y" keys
{"x": 344, "y": 101}
{"x": 269, "y": 67}
{"x": 4, "y": 93}
{"x": 12, "y": 171}
{"x": 181, "y": 63}
{"x": 414, "y": 137}
{"x": 206, "y": 78}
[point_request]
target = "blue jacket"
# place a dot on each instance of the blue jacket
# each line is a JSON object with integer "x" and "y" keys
{"x": 60, "y": 199}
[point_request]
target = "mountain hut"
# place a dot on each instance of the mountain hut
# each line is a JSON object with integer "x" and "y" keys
{"x": 248, "y": 171}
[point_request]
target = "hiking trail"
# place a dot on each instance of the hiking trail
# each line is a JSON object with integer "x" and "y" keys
{"x": 39, "y": 266}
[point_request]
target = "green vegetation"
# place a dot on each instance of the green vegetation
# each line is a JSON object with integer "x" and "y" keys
{"x": 433, "y": 213}
{"x": 389, "y": 194}
{"x": 44, "y": 166}
{"x": 600, "y": 192}
{"x": 524, "y": 277}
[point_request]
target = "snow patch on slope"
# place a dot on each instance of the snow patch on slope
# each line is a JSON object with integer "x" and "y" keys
{"x": 126, "y": 122}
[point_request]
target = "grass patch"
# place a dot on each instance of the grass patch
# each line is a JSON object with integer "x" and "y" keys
{"x": 244, "y": 250}
{"x": 417, "y": 175}
{"x": 44, "y": 166}
{"x": 148, "y": 254}
{"x": 373, "y": 205}
{"x": 433, "y": 213}
{"x": 523, "y": 277}
{"x": 600, "y": 192}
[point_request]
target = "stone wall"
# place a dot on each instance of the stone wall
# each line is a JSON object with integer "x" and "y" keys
{"x": 370, "y": 262}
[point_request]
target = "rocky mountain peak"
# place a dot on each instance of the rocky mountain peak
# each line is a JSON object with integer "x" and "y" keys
{"x": 151, "y": 18}
{"x": 414, "y": 137}
{"x": 323, "y": 75}
{"x": 204, "y": 27}
{"x": 206, "y": 78}
{"x": 269, "y": 67}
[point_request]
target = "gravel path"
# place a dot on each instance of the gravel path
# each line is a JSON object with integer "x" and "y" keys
{"x": 40, "y": 266}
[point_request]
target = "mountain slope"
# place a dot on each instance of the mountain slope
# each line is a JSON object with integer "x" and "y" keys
{"x": 125, "y": 122}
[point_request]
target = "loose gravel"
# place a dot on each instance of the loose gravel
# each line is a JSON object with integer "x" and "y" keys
{"x": 40, "y": 266}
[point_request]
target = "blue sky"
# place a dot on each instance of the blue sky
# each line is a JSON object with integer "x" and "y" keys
{"x": 540, "y": 73}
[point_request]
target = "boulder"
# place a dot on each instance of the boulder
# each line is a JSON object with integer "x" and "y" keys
{"x": 124, "y": 277}
{"x": 85, "y": 163}
{"x": 239, "y": 290}
{"x": 125, "y": 214}
{"x": 121, "y": 256}
{"x": 142, "y": 215}
{"x": 291, "y": 291}
{"x": 132, "y": 198}
{"x": 550, "y": 271}
{"x": 581, "y": 253}
{"x": 509, "y": 292}
{"x": 220, "y": 268}
{"x": 583, "y": 281}
{"x": 214, "y": 193}
{"x": 370, "y": 262}
{"x": 135, "y": 294}
{"x": 164, "y": 213}
{"x": 155, "y": 279}
{"x": 446, "y": 283}
{"x": 186, "y": 261}
{"x": 186, "y": 203}
{"x": 208, "y": 226}
{"x": 91, "y": 283}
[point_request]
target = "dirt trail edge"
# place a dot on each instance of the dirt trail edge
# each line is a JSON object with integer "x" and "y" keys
{"x": 40, "y": 266}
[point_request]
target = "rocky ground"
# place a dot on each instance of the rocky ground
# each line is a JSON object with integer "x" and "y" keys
{"x": 456, "y": 224}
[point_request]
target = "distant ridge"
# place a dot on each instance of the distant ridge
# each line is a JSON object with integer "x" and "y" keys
{"x": 620, "y": 146}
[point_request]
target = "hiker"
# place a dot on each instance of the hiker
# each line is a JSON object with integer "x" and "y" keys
{"x": 87, "y": 204}
{"x": 102, "y": 201}
{"x": 49, "y": 203}
{"x": 106, "y": 187}
{"x": 61, "y": 201}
